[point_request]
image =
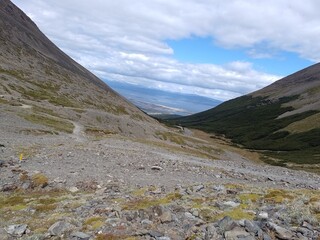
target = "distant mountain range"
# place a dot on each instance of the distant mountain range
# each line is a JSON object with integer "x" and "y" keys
{"x": 281, "y": 120}
{"x": 158, "y": 102}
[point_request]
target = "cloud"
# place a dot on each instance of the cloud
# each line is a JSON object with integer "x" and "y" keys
{"x": 126, "y": 41}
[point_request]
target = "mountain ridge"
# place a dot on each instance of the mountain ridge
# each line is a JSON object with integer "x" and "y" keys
{"x": 281, "y": 119}
{"x": 34, "y": 72}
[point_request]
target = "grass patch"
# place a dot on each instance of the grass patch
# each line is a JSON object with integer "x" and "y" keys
{"x": 277, "y": 196}
{"x": 45, "y": 207}
{"x": 249, "y": 197}
{"x": 3, "y": 101}
{"x": 172, "y": 137}
{"x": 39, "y": 180}
{"x": 139, "y": 192}
{"x": 62, "y": 101}
{"x": 38, "y": 109}
{"x": 144, "y": 203}
{"x": 118, "y": 110}
{"x": 14, "y": 73}
{"x": 98, "y": 132}
{"x": 237, "y": 214}
{"x": 57, "y": 124}
{"x": 93, "y": 223}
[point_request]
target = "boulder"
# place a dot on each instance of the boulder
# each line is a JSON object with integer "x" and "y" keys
{"x": 80, "y": 236}
{"x": 17, "y": 230}
{"x": 166, "y": 217}
{"x": 238, "y": 233}
{"x": 281, "y": 232}
{"x": 59, "y": 228}
{"x": 227, "y": 224}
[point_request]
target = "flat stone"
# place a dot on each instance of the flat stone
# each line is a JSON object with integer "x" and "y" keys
{"x": 307, "y": 225}
{"x": 155, "y": 234}
{"x": 59, "y": 228}
{"x": 227, "y": 224}
{"x": 230, "y": 204}
{"x": 237, "y": 234}
{"x": 163, "y": 238}
{"x": 198, "y": 188}
{"x": 219, "y": 188}
{"x": 263, "y": 215}
{"x": 252, "y": 227}
{"x": 73, "y": 189}
{"x": 146, "y": 222}
{"x": 166, "y": 217}
{"x": 17, "y": 230}
{"x": 189, "y": 215}
{"x": 80, "y": 236}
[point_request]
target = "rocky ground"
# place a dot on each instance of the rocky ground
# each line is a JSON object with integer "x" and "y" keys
{"x": 107, "y": 186}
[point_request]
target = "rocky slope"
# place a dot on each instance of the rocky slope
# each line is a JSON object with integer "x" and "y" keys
{"x": 119, "y": 188}
{"x": 282, "y": 120}
{"x": 77, "y": 161}
{"x": 52, "y": 89}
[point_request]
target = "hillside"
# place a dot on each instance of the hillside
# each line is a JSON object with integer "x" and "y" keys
{"x": 77, "y": 161}
{"x": 281, "y": 120}
{"x": 42, "y": 85}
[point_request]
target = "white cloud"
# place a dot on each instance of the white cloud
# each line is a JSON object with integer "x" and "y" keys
{"x": 125, "y": 40}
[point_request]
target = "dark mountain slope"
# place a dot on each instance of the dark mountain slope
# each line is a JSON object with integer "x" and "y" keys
{"x": 282, "y": 119}
{"x": 36, "y": 73}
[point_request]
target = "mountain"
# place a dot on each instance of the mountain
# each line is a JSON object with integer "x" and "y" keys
{"x": 155, "y": 101}
{"x": 282, "y": 120}
{"x": 41, "y": 84}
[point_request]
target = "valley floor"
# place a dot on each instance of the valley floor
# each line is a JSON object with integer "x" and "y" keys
{"x": 114, "y": 187}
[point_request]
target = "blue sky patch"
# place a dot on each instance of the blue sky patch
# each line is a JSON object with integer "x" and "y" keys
{"x": 204, "y": 51}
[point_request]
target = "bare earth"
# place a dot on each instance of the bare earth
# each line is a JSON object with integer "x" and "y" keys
{"x": 77, "y": 157}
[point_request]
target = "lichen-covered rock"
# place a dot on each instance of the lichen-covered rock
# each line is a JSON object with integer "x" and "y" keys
{"x": 59, "y": 228}
{"x": 17, "y": 230}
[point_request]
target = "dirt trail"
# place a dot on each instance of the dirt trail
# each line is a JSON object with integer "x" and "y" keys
{"x": 78, "y": 132}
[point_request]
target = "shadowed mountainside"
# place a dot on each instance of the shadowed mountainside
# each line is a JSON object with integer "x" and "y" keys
{"x": 281, "y": 120}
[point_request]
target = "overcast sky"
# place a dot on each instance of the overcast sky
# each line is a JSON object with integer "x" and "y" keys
{"x": 215, "y": 48}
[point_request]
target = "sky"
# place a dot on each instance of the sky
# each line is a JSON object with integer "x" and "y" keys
{"x": 210, "y": 48}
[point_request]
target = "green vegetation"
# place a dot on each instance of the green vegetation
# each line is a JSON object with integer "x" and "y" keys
{"x": 304, "y": 125}
{"x": 39, "y": 180}
{"x": 57, "y": 124}
{"x": 3, "y": 101}
{"x": 98, "y": 132}
{"x": 172, "y": 137}
{"x": 13, "y": 73}
{"x": 277, "y": 196}
{"x": 253, "y": 123}
{"x": 237, "y": 213}
{"x": 94, "y": 223}
{"x": 38, "y": 109}
{"x": 119, "y": 110}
